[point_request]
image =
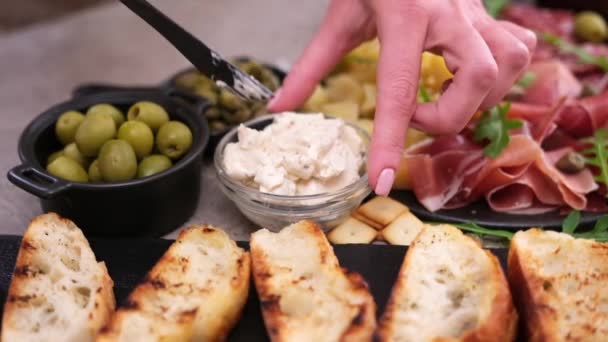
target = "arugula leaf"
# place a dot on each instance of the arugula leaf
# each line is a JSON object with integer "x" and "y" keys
{"x": 583, "y": 55}
{"x": 494, "y": 7}
{"x": 526, "y": 80}
{"x": 601, "y": 225}
{"x": 597, "y": 155}
{"x": 571, "y": 222}
{"x": 494, "y": 126}
{"x": 473, "y": 227}
{"x": 424, "y": 94}
{"x": 598, "y": 233}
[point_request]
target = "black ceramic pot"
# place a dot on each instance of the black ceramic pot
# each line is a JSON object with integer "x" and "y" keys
{"x": 150, "y": 206}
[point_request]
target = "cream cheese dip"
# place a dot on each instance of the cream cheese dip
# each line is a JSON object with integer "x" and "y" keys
{"x": 298, "y": 154}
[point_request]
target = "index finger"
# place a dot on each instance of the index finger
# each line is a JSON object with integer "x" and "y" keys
{"x": 397, "y": 82}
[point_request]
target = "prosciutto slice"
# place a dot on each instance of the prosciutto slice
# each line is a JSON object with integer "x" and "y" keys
{"x": 523, "y": 179}
{"x": 553, "y": 81}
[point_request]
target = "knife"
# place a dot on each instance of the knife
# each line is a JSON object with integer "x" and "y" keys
{"x": 207, "y": 61}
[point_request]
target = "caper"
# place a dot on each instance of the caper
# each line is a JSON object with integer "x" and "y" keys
{"x": 570, "y": 163}
{"x": 213, "y": 113}
{"x": 230, "y": 101}
{"x": 237, "y": 116}
{"x": 217, "y": 125}
{"x": 590, "y": 26}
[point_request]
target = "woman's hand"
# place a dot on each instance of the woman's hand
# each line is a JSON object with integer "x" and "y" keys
{"x": 486, "y": 57}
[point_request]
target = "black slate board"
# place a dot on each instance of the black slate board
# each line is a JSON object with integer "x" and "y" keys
{"x": 128, "y": 260}
{"x": 480, "y": 213}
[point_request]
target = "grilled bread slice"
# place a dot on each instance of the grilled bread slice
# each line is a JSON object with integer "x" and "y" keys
{"x": 58, "y": 291}
{"x": 560, "y": 285}
{"x": 195, "y": 292}
{"x": 449, "y": 289}
{"x": 304, "y": 293}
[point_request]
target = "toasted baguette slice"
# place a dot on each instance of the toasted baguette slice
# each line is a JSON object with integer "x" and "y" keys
{"x": 58, "y": 291}
{"x": 304, "y": 294}
{"x": 195, "y": 292}
{"x": 560, "y": 285}
{"x": 449, "y": 289}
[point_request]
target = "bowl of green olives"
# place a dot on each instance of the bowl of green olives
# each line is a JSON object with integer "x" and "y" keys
{"x": 119, "y": 163}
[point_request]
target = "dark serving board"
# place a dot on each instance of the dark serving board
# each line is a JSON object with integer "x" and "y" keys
{"x": 480, "y": 213}
{"x": 128, "y": 260}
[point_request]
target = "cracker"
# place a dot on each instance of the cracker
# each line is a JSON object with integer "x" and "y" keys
{"x": 402, "y": 230}
{"x": 352, "y": 231}
{"x": 382, "y": 210}
{"x": 367, "y": 221}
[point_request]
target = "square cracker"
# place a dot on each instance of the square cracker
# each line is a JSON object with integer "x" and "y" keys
{"x": 367, "y": 221}
{"x": 352, "y": 231}
{"x": 403, "y": 230}
{"x": 382, "y": 210}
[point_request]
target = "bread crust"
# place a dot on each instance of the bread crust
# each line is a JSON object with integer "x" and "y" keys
{"x": 499, "y": 325}
{"x": 26, "y": 272}
{"x": 172, "y": 306}
{"x": 542, "y": 310}
{"x": 361, "y": 326}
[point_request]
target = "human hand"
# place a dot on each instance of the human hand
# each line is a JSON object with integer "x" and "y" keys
{"x": 486, "y": 57}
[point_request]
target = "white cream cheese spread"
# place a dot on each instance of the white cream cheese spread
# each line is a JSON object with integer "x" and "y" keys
{"x": 298, "y": 154}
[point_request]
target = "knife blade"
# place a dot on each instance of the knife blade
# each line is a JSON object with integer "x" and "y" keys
{"x": 207, "y": 61}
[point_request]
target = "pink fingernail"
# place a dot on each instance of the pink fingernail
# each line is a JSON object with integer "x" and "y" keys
{"x": 385, "y": 182}
{"x": 274, "y": 99}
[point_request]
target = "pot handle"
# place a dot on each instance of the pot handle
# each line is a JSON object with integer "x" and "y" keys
{"x": 94, "y": 88}
{"x": 36, "y": 182}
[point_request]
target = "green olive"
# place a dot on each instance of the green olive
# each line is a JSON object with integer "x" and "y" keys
{"x": 53, "y": 156}
{"x": 66, "y": 126}
{"x": 93, "y": 132}
{"x": 105, "y": 108}
{"x": 71, "y": 151}
{"x": 590, "y": 26}
{"x": 261, "y": 73}
{"x": 187, "y": 80}
{"x": 94, "y": 174}
{"x": 153, "y": 164}
{"x": 66, "y": 168}
{"x": 230, "y": 101}
{"x": 117, "y": 161}
{"x": 217, "y": 125}
{"x": 213, "y": 113}
{"x": 139, "y": 136}
{"x": 173, "y": 139}
{"x": 237, "y": 116}
{"x": 208, "y": 94}
{"x": 149, "y": 113}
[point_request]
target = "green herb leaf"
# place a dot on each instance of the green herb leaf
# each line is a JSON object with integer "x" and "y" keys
{"x": 474, "y": 228}
{"x": 571, "y": 222}
{"x": 601, "y": 226}
{"x": 597, "y": 155}
{"x": 424, "y": 94}
{"x": 583, "y": 55}
{"x": 526, "y": 80}
{"x": 494, "y": 126}
{"x": 494, "y": 7}
{"x": 599, "y": 237}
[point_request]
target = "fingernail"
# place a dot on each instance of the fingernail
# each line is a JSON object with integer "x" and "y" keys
{"x": 273, "y": 101}
{"x": 385, "y": 182}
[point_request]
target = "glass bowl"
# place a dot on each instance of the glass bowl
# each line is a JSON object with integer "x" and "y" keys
{"x": 277, "y": 211}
